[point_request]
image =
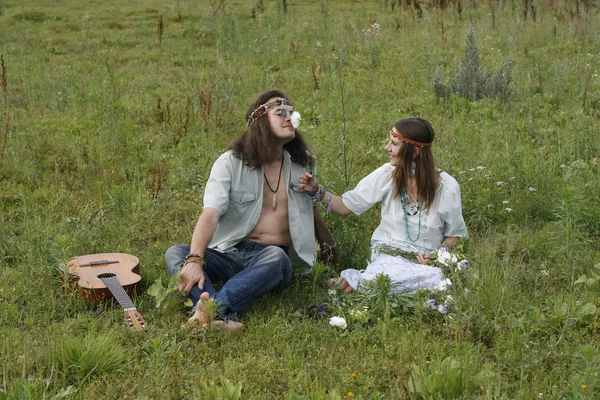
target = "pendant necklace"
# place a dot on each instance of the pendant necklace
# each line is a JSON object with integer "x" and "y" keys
{"x": 277, "y": 188}
{"x": 404, "y": 199}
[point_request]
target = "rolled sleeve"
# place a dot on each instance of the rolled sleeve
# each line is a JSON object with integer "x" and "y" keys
{"x": 450, "y": 211}
{"x": 216, "y": 193}
{"x": 369, "y": 191}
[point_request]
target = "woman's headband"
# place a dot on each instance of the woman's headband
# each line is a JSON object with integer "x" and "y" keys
{"x": 405, "y": 139}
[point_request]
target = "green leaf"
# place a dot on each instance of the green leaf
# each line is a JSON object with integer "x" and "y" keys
{"x": 581, "y": 279}
{"x": 587, "y": 309}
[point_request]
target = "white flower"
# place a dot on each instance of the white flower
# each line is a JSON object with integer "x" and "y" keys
{"x": 296, "y": 118}
{"x": 446, "y": 257}
{"x": 545, "y": 272}
{"x": 480, "y": 167}
{"x": 531, "y": 189}
{"x": 505, "y": 202}
{"x": 318, "y": 44}
{"x": 512, "y": 177}
{"x": 464, "y": 264}
{"x": 449, "y": 298}
{"x": 508, "y": 209}
{"x": 443, "y": 284}
{"x": 431, "y": 304}
{"x": 500, "y": 183}
{"x": 339, "y": 322}
{"x": 443, "y": 309}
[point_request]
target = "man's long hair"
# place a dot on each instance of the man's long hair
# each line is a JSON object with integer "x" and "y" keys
{"x": 426, "y": 175}
{"x": 258, "y": 145}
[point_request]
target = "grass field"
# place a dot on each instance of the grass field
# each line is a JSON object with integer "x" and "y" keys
{"x": 112, "y": 112}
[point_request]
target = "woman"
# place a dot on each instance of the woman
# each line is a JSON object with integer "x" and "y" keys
{"x": 421, "y": 209}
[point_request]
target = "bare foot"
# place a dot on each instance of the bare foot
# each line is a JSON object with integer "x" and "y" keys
{"x": 223, "y": 326}
{"x": 201, "y": 315}
{"x": 339, "y": 283}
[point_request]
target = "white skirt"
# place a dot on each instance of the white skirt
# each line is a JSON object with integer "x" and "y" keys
{"x": 407, "y": 276}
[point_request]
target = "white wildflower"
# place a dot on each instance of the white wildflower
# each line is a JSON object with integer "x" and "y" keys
{"x": 500, "y": 183}
{"x": 512, "y": 177}
{"x": 464, "y": 264}
{"x": 531, "y": 189}
{"x": 338, "y": 322}
{"x": 545, "y": 272}
{"x": 296, "y": 118}
{"x": 505, "y": 202}
{"x": 480, "y": 167}
{"x": 443, "y": 309}
{"x": 445, "y": 257}
{"x": 443, "y": 284}
{"x": 508, "y": 209}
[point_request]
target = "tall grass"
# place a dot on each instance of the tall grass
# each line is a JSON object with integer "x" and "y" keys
{"x": 112, "y": 127}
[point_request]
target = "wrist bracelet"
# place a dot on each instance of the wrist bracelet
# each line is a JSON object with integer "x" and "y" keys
{"x": 329, "y": 203}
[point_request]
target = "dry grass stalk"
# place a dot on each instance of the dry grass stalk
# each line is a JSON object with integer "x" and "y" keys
{"x": 254, "y": 16}
{"x": 159, "y": 173}
{"x": 3, "y": 81}
{"x": 316, "y": 71}
{"x": 295, "y": 47}
{"x": 208, "y": 111}
{"x": 160, "y": 114}
{"x": 586, "y": 87}
{"x": 161, "y": 30}
{"x": 493, "y": 8}
{"x": 4, "y": 137}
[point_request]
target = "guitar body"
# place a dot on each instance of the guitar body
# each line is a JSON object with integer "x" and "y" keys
{"x": 88, "y": 279}
{"x": 107, "y": 275}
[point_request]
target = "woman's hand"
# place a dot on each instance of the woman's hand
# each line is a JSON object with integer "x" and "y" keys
{"x": 423, "y": 259}
{"x": 307, "y": 182}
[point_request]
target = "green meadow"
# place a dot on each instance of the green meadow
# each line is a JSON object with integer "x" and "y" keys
{"x": 112, "y": 113}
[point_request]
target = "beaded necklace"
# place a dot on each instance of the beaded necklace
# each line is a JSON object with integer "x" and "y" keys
{"x": 415, "y": 208}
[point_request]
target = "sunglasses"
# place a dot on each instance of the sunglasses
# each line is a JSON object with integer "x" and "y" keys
{"x": 283, "y": 113}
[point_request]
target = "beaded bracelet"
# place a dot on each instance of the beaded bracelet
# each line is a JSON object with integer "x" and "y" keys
{"x": 329, "y": 203}
{"x": 313, "y": 191}
{"x": 319, "y": 195}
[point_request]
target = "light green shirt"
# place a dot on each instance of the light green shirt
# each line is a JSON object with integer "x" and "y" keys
{"x": 235, "y": 190}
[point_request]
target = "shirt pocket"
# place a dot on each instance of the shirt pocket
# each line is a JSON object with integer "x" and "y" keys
{"x": 240, "y": 204}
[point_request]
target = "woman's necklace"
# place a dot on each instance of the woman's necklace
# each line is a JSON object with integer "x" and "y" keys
{"x": 277, "y": 188}
{"x": 414, "y": 208}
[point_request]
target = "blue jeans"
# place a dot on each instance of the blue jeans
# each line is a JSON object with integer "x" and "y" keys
{"x": 249, "y": 272}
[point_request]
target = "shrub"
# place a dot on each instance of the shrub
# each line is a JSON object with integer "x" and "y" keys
{"x": 471, "y": 81}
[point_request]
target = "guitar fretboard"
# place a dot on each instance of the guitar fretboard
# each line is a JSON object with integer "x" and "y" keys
{"x": 112, "y": 283}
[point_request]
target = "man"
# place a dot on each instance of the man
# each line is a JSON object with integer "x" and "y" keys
{"x": 254, "y": 218}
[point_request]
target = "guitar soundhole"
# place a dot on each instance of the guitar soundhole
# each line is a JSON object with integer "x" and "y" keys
{"x": 106, "y": 275}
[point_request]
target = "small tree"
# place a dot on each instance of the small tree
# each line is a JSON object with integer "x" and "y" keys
{"x": 471, "y": 81}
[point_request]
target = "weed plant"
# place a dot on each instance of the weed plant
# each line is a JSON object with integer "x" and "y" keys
{"x": 110, "y": 121}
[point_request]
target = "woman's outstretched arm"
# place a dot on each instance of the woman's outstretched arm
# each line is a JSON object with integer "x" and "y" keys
{"x": 334, "y": 203}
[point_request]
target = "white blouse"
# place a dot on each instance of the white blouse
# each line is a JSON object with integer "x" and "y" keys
{"x": 443, "y": 219}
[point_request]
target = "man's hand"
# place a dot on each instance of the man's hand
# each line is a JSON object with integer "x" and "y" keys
{"x": 191, "y": 273}
{"x": 307, "y": 182}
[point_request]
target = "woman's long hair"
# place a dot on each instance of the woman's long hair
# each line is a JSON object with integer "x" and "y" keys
{"x": 258, "y": 144}
{"x": 426, "y": 175}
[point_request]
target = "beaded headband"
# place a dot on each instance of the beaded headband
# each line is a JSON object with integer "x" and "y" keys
{"x": 262, "y": 109}
{"x": 405, "y": 139}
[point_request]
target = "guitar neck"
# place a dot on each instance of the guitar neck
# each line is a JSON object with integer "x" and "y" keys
{"x": 112, "y": 283}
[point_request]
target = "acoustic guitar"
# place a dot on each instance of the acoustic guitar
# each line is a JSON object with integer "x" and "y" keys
{"x": 109, "y": 275}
